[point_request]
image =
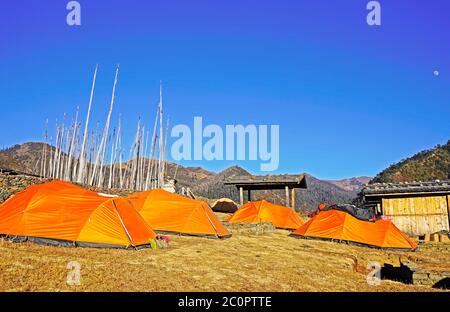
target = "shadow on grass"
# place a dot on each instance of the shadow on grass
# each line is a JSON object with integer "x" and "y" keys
{"x": 443, "y": 284}
{"x": 401, "y": 273}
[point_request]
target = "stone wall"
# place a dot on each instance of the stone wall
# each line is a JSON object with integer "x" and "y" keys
{"x": 12, "y": 184}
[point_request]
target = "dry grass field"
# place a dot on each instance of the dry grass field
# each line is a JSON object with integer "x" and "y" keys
{"x": 245, "y": 262}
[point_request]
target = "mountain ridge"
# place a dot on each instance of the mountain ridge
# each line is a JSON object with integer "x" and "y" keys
{"x": 427, "y": 165}
{"x": 25, "y": 158}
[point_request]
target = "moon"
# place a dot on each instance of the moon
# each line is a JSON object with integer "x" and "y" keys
{"x": 436, "y": 73}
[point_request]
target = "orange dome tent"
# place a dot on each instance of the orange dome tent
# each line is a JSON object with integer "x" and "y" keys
{"x": 263, "y": 211}
{"x": 173, "y": 213}
{"x": 338, "y": 225}
{"x": 59, "y": 213}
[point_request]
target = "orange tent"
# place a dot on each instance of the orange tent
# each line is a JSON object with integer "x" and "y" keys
{"x": 338, "y": 225}
{"x": 263, "y": 211}
{"x": 59, "y": 213}
{"x": 173, "y": 213}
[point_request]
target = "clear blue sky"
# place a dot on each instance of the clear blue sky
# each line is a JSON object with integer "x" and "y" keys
{"x": 350, "y": 99}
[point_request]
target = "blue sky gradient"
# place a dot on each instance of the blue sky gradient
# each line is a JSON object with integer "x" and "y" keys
{"x": 350, "y": 99}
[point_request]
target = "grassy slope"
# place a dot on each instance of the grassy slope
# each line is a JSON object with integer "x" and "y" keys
{"x": 424, "y": 166}
{"x": 271, "y": 262}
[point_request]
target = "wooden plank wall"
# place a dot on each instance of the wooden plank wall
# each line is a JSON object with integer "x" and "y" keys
{"x": 418, "y": 215}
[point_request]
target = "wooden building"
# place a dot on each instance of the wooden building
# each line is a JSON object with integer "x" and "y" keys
{"x": 270, "y": 182}
{"x": 417, "y": 208}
